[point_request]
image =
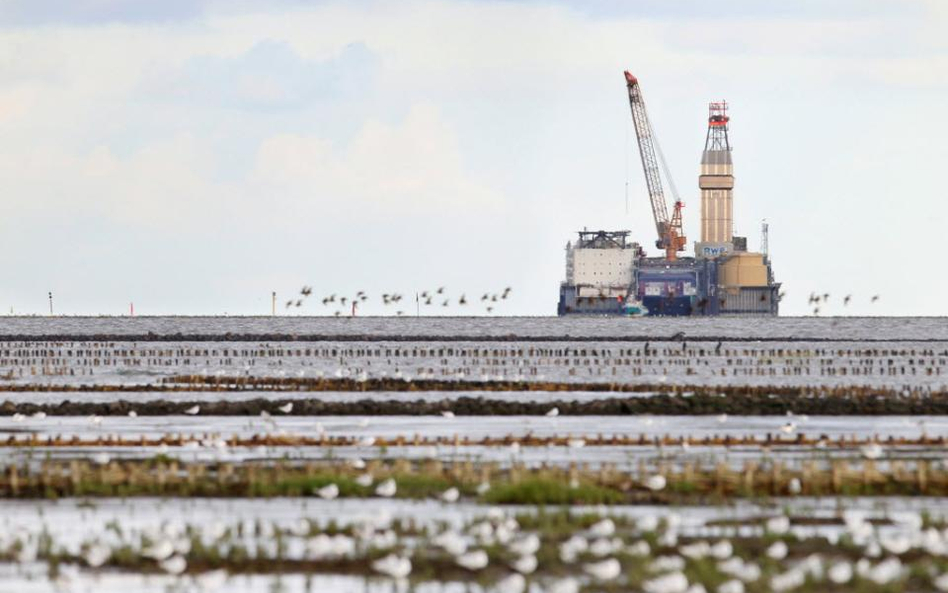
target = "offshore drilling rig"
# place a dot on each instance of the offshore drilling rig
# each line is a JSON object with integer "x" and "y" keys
{"x": 606, "y": 274}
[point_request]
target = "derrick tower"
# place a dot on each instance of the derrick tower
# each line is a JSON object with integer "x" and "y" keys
{"x": 717, "y": 179}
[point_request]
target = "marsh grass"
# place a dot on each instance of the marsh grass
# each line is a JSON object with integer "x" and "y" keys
{"x": 543, "y": 491}
{"x": 515, "y": 484}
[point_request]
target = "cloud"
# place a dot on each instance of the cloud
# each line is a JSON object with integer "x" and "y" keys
{"x": 15, "y": 102}
{"x": 165, "y": 182}
{"x": 89, "y": 12}
{"x": 723, "y": 10}
{"x": 269, "y": 76}
{"x": 386, "y": 169}
{"x": 407, "y": 167}
{"x": 95, "y": 12}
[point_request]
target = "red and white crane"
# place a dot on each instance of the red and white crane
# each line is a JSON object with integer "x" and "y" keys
{"x": 670, "y": 235}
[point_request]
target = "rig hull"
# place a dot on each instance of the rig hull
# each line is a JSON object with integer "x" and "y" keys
{"x": 739, "y": 285}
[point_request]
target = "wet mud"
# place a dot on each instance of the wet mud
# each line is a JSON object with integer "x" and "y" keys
{"x": 742, "y": 403}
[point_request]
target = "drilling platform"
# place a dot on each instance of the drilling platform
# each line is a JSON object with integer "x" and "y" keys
{"x": 607, "y": 274}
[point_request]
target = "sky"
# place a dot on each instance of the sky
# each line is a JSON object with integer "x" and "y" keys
{"x": 191, "y": 157}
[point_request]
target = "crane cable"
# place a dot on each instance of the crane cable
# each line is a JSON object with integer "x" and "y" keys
{"x": 627, "y": 166}
{"x": 668, "y": 177}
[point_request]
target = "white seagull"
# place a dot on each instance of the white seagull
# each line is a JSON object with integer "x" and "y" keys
{"x": 386, "y": 489}
{"x": 605, "y": 570}
{"x": 474, "y": 560}
{"x": 328, "y": 492}
{"x": 392, "y": 565}
{"x": 656, "y": 483}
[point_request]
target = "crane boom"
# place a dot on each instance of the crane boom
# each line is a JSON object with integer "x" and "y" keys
{"x": 669, "y": 231}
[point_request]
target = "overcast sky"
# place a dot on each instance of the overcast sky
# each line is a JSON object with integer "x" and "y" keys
{"x": 191, "y": 157}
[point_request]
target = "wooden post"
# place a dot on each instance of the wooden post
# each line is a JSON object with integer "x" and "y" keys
{"x": 837, "y": 478}
{"x": 515, "y": 473}
{"x": 922, "y": 475}
{"x": 776, "y": 478}
{"x": 868, "y": 472}
{"x": 720, "y": 478}
{"x": 750, "y": 470}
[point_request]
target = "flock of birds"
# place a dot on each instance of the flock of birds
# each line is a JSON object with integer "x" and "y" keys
{"x": 426, "y": 298}
{"x": 817, "y": 300}
{"x": 489, "y": 300}
{"x": 660, "y": 549}
{"x": 214, "y": 442}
